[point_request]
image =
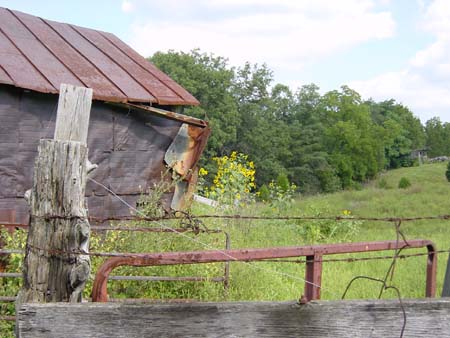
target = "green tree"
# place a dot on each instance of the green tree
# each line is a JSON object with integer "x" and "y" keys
{"x": 352, "y": 140}
{"x": 403, "y": 132}
{"x": 309, "y": 164}
{"x": 261, "y": 132}
{"x": 211, "y": 81}
{"x": 438, "y": 137}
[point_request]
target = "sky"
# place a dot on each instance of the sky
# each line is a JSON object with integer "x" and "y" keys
{"x": 383, "y": 49}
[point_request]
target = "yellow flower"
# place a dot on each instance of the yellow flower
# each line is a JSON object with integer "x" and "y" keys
{"x": 203, "y": 172}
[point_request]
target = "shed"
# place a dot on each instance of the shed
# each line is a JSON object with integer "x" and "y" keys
{"x": 136, "y": 128}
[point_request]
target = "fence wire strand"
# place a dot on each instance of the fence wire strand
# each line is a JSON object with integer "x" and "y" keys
{"x": 183, "y": 215}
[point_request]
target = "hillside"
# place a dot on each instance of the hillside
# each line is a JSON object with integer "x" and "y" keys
{"x": 428, "y": 195}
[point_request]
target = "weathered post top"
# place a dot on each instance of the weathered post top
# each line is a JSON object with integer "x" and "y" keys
{"x": 72, "y": 118}
{"x": 56, "y": 267}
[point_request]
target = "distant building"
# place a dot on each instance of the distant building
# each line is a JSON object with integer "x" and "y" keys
{"x": 419, "y": 154}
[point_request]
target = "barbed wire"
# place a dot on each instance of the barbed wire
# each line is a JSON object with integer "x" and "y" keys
{"x": 185, "y": 216}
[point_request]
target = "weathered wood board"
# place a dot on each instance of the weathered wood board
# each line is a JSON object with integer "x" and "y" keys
{"x": 74, "y": 110}
{"x": 425, "y": 318}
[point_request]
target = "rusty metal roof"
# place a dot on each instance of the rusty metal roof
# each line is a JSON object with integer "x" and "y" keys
{"x": 41, "y": 54}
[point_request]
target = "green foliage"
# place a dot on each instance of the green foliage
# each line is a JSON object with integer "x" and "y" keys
{"x": 263, "y": 193}
{"x": 402, "y": 132}
{"x": 281, "y": 195}
{"x": 438, "y": 137}
{"x": 404, "y": 183}
{"x": 351, "y": 138}
{"x": 11, "y": 286}
{"x": 383, "y": 184}
{"x": 283, "y": 182}
{"x": 323, "y": 143}
{"x": 114, "y": 241}
{"x": 447, "y": 172}
{"x": 150, "y": 202}
{"x": 328, "y": 230}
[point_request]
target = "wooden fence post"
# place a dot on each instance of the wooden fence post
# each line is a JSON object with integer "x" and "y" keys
{"x": 54, "y": 271}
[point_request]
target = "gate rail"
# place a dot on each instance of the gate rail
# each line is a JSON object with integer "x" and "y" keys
{"x": 313, "y": 254}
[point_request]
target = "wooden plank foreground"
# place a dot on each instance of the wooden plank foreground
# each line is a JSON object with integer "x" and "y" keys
{"x": 425, "y": 318}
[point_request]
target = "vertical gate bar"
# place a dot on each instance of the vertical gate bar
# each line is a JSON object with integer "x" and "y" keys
{"x": 313, "y": 277}
{"x": 446, "y": 287}
{"x": 430, "y": 288}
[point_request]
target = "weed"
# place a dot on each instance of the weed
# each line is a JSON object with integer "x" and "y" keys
{"x": 11, "y": 286}
{"x": 404, "y": 183}
{"x": 383, "y": 184}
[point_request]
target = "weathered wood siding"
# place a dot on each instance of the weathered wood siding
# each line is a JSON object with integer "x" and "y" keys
{"x": 425, "y": 318}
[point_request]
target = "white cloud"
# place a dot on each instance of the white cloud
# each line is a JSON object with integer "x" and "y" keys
{"x": 282, "y": 33}
{"x": 437, "y": 18}
{"x": 127, "y": 6}
{"x": 424, "y": 84}
{"x": 426, "y": 99}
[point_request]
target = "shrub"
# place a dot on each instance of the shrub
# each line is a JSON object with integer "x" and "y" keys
{"x": 263, "y": 193}
{"x": 383, "y": 184}
{"x": 404, "y": 183}
{"x": 323, "y": 230}
{"x": 447, "y": 173}
{"x": 279, "y": 198}
{"x": 283, "y": 182}
{"x": 150, "y": 203}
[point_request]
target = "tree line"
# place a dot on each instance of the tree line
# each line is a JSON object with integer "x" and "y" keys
{"x": 323, "y": 143}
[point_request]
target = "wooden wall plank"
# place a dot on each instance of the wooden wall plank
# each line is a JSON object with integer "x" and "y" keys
{"x": 380, "y": 318}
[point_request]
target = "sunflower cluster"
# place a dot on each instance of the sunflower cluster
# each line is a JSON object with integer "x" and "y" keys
{"x": 234, "y": 180}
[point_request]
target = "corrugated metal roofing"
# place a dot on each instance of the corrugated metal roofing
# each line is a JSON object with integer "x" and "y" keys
{"x": 41, "y": 54}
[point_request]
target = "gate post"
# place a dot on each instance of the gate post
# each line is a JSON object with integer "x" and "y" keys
{"x": 54, "y": 269}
